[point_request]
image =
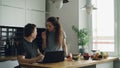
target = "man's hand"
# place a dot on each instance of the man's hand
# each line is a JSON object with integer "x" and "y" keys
{"x": 40, "y": 58}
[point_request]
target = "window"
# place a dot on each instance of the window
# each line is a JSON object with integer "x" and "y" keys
{"x": 103, "y": 25}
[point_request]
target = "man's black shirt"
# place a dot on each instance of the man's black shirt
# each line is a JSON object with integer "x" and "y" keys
{"x": 28, "y": 49}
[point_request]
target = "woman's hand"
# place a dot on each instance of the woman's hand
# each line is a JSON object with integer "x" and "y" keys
{"x": 44, "y": 35}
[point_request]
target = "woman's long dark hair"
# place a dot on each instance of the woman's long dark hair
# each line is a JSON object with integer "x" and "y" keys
{"x": 58, "y": 29}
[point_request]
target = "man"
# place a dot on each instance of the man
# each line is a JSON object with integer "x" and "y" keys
{"x": 27, "y": 51}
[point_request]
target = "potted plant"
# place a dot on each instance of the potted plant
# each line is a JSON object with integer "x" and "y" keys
{"x": 83, "y": 38}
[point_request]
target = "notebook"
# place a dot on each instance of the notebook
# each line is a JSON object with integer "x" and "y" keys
{"x": 53, "y": 56}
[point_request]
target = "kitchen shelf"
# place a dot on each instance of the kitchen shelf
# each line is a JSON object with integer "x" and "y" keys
{"x": 10, "y": 38}
{"x": 6, "y": 58}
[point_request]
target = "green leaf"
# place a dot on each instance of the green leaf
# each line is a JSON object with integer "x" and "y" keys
{"x": 82, "y": 34}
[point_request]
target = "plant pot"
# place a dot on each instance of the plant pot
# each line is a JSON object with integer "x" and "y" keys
{"x": 82, "y": 51}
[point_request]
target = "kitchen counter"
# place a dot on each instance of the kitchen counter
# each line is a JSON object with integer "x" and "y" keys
{"x": 70, "y": 64}
{"x": 6, "y": 58}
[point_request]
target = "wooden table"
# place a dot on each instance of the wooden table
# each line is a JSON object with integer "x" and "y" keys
{"x": 70, "y": 64}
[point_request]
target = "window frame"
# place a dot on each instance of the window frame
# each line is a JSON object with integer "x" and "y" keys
{"x": 116, "y": 42}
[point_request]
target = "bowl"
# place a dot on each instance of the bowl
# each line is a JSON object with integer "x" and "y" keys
{"x": 75, "y": 56}
{"x": 86, "y": 57}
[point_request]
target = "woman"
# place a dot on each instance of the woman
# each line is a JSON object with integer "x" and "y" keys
{"x": 27, "y": 51}
{"x": 54, "y": 38}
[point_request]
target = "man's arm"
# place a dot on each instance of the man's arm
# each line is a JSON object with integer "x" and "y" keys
{"x": 22, "y": 59}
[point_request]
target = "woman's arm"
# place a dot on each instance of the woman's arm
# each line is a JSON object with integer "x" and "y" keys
{"x": 43, "y": 40}
{"x": 65, "y": 47}
{"x": 43, "y": 44}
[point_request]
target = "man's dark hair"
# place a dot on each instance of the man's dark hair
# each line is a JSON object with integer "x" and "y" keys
{"x": 28, "y": 29}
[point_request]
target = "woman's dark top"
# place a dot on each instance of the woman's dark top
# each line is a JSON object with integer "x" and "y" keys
{"x": 28, "y": 49}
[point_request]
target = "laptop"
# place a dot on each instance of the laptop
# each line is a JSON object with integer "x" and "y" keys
{"x": 53, "y": 56}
